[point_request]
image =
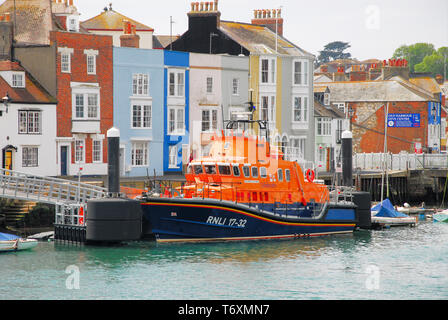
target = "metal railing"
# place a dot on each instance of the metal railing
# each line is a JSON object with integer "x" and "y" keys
{"x": 67, "y": 196}
{"x": 399, "y": 162}
{"x": 24, "y": 186}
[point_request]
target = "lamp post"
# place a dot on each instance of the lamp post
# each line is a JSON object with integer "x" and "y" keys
{"x": 79, "y": 177}
{"x": 6, "y": 100}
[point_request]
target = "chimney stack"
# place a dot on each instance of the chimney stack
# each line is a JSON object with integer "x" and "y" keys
{"x": 395, "y": 67}
{"x": 439, "y": 79}
{"x": 270, "y": 18}
{"x": 130, "y": 38}
{"x": 203, "y": 12}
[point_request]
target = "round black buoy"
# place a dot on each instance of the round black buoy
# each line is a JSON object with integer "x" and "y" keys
{"x": 347, "y": 158}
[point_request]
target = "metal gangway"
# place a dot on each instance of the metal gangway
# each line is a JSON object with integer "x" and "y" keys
{"x": 67, "y": 196}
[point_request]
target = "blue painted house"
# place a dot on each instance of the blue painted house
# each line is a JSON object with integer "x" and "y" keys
{"x": 176, "y": 149}
{"x": 139, "y": 104}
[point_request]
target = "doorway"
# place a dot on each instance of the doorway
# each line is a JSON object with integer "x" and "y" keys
{"x": 64, "y": 154}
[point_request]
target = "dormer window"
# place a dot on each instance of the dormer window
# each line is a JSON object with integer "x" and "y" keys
{"x": 326, "y": 99}
{"x": 72, "y": 23}
{"x": 18, "y": 80}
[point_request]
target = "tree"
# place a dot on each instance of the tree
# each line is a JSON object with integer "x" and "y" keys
{"x": 333, "y": 51}
{"x": 414, "y": 53}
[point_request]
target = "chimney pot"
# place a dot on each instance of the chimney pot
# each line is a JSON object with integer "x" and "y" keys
{"x": 216, "y": 5}
{"x": 202, "y": 6}
{"x": 206, "y": 6}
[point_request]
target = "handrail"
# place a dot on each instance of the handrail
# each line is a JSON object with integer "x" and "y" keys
{"x": 24, "y": 186}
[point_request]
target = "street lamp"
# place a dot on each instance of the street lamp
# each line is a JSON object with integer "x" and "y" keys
{"x": 6, "y": 100}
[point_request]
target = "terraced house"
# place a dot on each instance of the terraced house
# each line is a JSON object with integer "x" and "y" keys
{"x": 76, "y": 68}
{"x": 280, "y": 73}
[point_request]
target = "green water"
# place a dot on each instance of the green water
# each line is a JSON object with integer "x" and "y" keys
{"x": 398, "y": 263}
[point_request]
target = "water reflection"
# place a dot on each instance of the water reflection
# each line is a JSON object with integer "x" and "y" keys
{"x": 215, "y": 253}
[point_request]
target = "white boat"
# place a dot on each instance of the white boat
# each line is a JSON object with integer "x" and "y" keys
{"x": 440, "y": 216}
{"x": 9, "y": 242}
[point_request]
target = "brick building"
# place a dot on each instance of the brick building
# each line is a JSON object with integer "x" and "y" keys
{"x": 84, "y": 75}
{"x": 73, "y": 66}
{"x": 414, "y": 114}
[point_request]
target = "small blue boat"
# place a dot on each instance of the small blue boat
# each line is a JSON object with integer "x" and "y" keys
{"x": 385, "y": 215}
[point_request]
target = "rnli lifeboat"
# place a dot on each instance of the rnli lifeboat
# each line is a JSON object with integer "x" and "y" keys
{"x": 244, "y": 189}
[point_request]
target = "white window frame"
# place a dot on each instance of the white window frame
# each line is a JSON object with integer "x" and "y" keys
{"x": 173, "y": 152}
{"x": 139, "y": 148}
{"x": 323, "y": 126}
{"x": 27, "y": 122}
{"x": 212, "y": 124}
{"x": 91, "y": 60}
{"x": 140, "y": 124}
{"x": 66, "y": 53}
{"x": 270, "y": 110}
{"x": 86, "y": 108}
{"x": 300, "y": 78}
{"x": 271, "y": 71}
{"x": 80, "y": 152}
{"x": 30, "y": 156}
{"x": 97, "y": 154}
{"x": 177, "y": 87}
{"x": 91, "y": 64}
{"x": 18, "y": 80}
{"x": 209, "y": 85}
{"x": 140, "y": 84}
{"x": 304, "y": 109}
{"x": 176, "y": 131}
{"x": 236, "y": 86}
{"x": 298, "y": 144}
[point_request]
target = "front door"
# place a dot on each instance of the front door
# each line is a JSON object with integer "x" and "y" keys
{"x": 64, "y": 152}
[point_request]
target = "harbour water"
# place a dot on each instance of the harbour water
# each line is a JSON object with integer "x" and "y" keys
{"x": 398, "y": 263}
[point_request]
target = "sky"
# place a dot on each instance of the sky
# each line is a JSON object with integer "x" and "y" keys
{"x": 374, "y": 28}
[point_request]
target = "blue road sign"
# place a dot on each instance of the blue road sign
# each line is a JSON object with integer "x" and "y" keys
{"x": 403, "y": 120}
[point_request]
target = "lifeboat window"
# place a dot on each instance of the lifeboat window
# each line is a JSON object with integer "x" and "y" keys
{"x": 246, "y": 171}
{"x": 263, "y": 172}
{"x": 210, "y": 169}
{"x": 236, "y": 171}
{"x": 255, "y": 172}
{"x": 189, "y": 169}
{"x": 287, "y": 175}
{"x": 197, "y": 169}
{"x": 224, "y": 170}
{"x": 254, "y": 196}
{"x": 280, "y": 174}
{"x": 266, "y": 197}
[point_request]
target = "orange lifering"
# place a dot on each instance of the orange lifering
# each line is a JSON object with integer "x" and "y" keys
{"x": 310, "y": 175}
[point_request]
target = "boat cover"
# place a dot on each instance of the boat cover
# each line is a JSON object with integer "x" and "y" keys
{"x": 8, "y": 237}
{"x": 386, "y": 209}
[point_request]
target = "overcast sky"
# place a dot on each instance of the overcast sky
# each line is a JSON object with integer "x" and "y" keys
{"x": 374, "y": 28}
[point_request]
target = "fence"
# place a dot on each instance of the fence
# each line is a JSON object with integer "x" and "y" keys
{"x": 399, "y": 162}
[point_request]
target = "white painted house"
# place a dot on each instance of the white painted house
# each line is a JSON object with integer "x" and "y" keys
{"x": 27, "y": 123}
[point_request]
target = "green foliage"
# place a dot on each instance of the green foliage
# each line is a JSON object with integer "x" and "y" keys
{"x": 40, "y": 216}
{"x": 414, "y": 53}
{"x": 333, "y": 51}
